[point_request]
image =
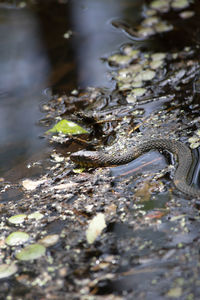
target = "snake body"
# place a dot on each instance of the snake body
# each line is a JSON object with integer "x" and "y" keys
{"x": 183, "y": 153}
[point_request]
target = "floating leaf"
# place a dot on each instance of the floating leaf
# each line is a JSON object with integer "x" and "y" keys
{"x": 187, "y": 14}
{"x": 145, "y": 31}
{"x": 163, "y": 27}
{"x": 146, "y": 75}
{"x": 30, "y": 252}
{"x": 95, "y": 228}
{"x": 17, "y": 238}
{"x": 7, "y": 270}
{"x": 119, "y": 59}
{"x": 67, "y": 127}
{"x": 180, "y": 4}
{"x": 138, "y": 91}
{"x": 131, "y": 52}
{"x": 160, "y": 5}
{"x": 155, "y": 64}
{"x": 158, "y": 56}
{"x": 150, "y": 21}
{"x": 17, "y": 219}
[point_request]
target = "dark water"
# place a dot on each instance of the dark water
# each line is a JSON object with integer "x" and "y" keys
{"x": 37, "y": 61}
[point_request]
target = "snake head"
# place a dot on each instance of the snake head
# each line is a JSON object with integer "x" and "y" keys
{"x": 86, "y": 158}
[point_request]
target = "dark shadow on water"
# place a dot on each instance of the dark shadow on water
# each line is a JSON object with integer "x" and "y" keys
{"x": 24, "y": 74}
{"x": 36, "y": 56}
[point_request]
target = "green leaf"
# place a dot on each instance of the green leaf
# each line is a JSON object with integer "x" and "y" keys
{"x": 7, "y": 270}
{"x": 67, "y": 127}
{"x": 17, "y": 219}
{"x": 17, "y": 238}
{"x": 31, "y": 252}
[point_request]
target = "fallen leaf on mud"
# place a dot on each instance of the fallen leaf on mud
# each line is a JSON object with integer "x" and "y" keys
{"x": 7, "y": 270}
{"x": 31, "y": 252}
{"x": 17, "y": 219}
{"x": 49, "y": 240}
{"x": 31, "y": 185}
{"x": 95, "y": 228}
{"x": 67, "y": 127}
{"x": 17, "y": 238}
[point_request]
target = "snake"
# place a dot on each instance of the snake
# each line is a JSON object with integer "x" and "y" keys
{"x": 182, "y": 152}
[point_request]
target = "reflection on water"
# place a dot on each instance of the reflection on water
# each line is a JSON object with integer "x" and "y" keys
{"x": 23, "y": 60}
{"x": 96, "y": 37}
{"x": 94, "y": 43}
{"x": 35, "y": 56}
{"x": 24, "y": 69}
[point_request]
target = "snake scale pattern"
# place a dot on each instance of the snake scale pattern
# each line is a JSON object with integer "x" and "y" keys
{"x": 183, "y": 153}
